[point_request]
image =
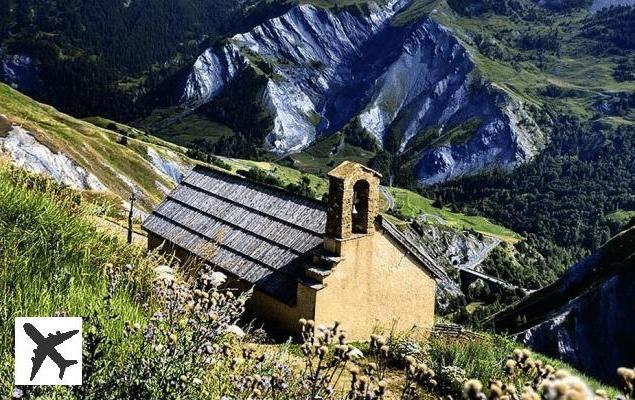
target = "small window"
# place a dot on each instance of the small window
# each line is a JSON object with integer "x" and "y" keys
{"x": 361, "y": 192}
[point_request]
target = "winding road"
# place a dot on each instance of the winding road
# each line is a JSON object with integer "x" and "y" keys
{"x": 389, "y": 199}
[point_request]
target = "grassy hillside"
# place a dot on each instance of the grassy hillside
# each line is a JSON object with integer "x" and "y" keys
{"x": 409, "y": 204}
{"x": 54, "y": 261}
{"x": 96, "y": 149}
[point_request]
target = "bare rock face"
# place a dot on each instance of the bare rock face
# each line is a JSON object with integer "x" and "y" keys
{"x": 26, "y": 152}
{"x": 593, "y": 333}
{"x": 326, "y": 67}
{"x": 586, "y": 317}
{"x": 168, "y": 164}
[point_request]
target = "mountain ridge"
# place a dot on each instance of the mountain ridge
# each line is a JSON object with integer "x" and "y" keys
{"x": 399, "y": 92}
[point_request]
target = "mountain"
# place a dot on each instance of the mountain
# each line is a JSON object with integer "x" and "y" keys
{"x": 592, "y": 5}
{"x": 585, "y": 317}
{"x": 413, "y": 88}
{"x": 110, "y": 54}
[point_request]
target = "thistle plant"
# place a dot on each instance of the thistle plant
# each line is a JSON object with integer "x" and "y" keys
{"x": 542, "y": 382}
{"x": 326, "y": 357}
{"x": 626, "y": 378}
{"x": 178, "y": 345}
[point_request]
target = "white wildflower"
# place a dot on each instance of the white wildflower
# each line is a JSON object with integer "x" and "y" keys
{"x": 235, "y": 330}
{"x": 354, "y": 352}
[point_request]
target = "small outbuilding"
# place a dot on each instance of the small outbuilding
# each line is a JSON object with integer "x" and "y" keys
{"x": 338, "y": 260}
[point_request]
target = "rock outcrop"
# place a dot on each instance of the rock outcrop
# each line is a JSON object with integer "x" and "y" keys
{"x": 169, "y": 164}
{"x": 26, "y": 152}
{"x": 585, "y": 313}
{"x": 325, "y": 67}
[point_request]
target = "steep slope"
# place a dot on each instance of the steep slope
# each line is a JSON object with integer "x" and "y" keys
{"x": 85, "y": 156}
{"x": 409, "y": 86}
{"x": 600, "y": 4}
{"x": 584, "y": 314}
{"x": 92, "y": 57}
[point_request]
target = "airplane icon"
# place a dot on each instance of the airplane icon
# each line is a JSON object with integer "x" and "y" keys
{"x": 46, "y": 348}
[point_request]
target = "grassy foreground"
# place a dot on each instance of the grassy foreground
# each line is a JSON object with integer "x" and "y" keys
{"x": 54, "y": 262}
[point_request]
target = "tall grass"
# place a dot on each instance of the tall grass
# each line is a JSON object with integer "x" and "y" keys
{"x": 54, "y": 262}
{"x": 483, "y": 358}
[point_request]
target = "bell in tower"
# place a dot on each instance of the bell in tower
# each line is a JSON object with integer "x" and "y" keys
{"x": 353, "y": 201}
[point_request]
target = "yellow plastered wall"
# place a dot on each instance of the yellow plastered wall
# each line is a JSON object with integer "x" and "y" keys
{"x": 282, "y": 316}
{"x": 377, "y": 285}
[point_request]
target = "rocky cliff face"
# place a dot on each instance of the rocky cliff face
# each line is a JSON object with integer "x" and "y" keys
{"x": 26, "y": 152}
{"x": 584, "y": 318}
{"x": 326, "y": 67}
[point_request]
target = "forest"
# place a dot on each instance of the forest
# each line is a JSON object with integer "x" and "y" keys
{"x": 565, "y": 200}
{"x": 103, "y": 57}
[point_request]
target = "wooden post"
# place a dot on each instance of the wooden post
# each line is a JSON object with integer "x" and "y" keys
{"x": 132, "y": 200}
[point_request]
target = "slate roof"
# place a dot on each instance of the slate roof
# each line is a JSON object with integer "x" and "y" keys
{"x": 255, "y": 232}
{"x": 262, "y": 234}
{"x": 413, "y": 248}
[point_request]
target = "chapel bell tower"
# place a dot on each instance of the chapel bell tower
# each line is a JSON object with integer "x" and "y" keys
{"x": 353, "y": 202}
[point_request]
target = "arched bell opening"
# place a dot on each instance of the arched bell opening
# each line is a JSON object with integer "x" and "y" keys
{"x": 359, "y": 210}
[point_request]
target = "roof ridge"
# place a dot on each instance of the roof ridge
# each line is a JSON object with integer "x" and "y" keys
{"x": 423, "y": 257}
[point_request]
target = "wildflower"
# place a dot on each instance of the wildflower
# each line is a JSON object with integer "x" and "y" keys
{"x": 496, "y": 391}
{"x": 566, "y": 387}
{"x": 472, "y": 389}
{"x": 322, "y": 351}
{"x": 381, "y": 388}
{"x": 216, "y": 279}
{"x": 164, "y": 273}
{"x": 510, "y": 366}
{"x": 627, "y": 379}
{"x": 529, "y": 394}
{"x": 236, "y": 331}
{"x": 172, "y": 338}
{"x": 354, "y": 353}
{"x": 562, "y": 373}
